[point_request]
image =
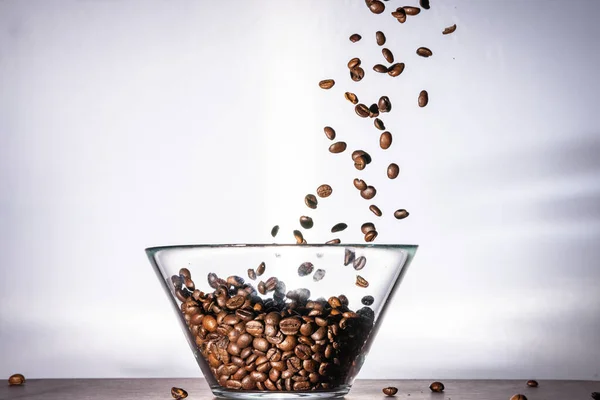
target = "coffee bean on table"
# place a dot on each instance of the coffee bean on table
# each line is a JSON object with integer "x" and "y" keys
{"x": 355, "y": 37}
{"x": 375, "y": 210}
{"x": 437, "y": 387}
{"x": 333, "y": 241}
{"x": 326, "y": 83}
{"x": 390, "y": 391}
{"x": 353, "y": 63}
{"x": 384, "y": 104}
{"x": 16, "y": 380}
{"x": 385, "y": 140}
{"x": 532, "y": 383}
{"x": 396, "y": 69}
{"x": 337, "y": 147}
{"x": 424, "y": 4}
{"x": 424, "y": 52}
{"x": 449, "y": 30}
{"x": 518, "y": 397}
{"x": 351, "y": 97}
{"x": 361, "y": 282}
{"x": 401, "y": 214}
{"x": 338, "y": 227}
{"x": 367, "y": 300}
{"x": 319, "y": 274}
{"x": 411, "y": 10}
{"x": 324, "y": 191}
{"x": 362, "y": 110}
{"x": 329, "y": 132}
{"x": 305, "y": 268}
{"x": 379, "y": 124}
{"x": 368, "y": 193}
{"x": 370, "y": 236}
{"x": 298, "y": 236}
{"x": 423, "y": 98}
{"x": 275, "y": 230}
{"x": 261, "y": 269}
{"x": 367, "y": 227}
{"x": 357, "y": 74}
{"x": 376, "y": 7}
{"x": 306, "y": 222}
{"x": 393, "y": 170}
{"x": 178, "y": 393}
{"x": 348, "y": 256}
{"x": 382, "y": 69}
{"x": 359, "y": 184}
{"x": 360, "y": 263}
{"x": 388, "y": 55}
{"x": 311, "y": 201}
{"x": 380, "y": 38}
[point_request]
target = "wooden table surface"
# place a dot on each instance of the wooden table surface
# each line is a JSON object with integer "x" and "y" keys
{"x": 160, "y": 389}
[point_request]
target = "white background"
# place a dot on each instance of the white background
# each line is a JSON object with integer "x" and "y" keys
{"x": 129, "y": 124}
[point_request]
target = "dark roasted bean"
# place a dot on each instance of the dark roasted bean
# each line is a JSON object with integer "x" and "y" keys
{"x": 379, "y": 124}
{"x": 360, "y": 262}
{"x": 288, "y": 343}
{"x": 411, "y": 10}
{"x": 337, "y": 147}
{"x": 357, "y": 74}
{"x": 437, "y": 387}
{"x": 384, "y": 104}
{"x": 396, "y": 69}
{"x": 306, "y": 222}
{"x": 362, "y": 110}
{"x": 532, "y": 383}
{"x": 369, "y": 237}
{"x": 367, "y": 300}
{"x": 326, "y": 83}
{"x": 380, "y": 38}
{"x": 385, "y": 140}
{"x": 274, "y": 230}
{"x": 375, "y": 210}
{"x": 361, "y": 282}
{"x": 449, "y": 30}
{"x": 299, "y": 237}
{"x": 373, "y": 111}
{"x": 388, "y": 55}
{"x": 355, "y": 37}
{"x": 338, "y": 227}
{"x": 329, "y": 132}
{"x": 400, "y": 15}
{"x": 390, "y": 391}
{"x": 255, "y": 328}
{"x": 360, "y": 184}
{"x": 401, "y": 214}
{"x": 424, "y": 4}
{"x": 176, "y": 393}
{"x": 251, "y": 274}
{"x": 368, "y": 193}
{"x": 376, "y": 7}
{"x": 518, "y": 397}
{"x": 248, "y": 383}
{"x": 353, "y": 63}
{"x": 311, "y": 201}
{"x": 324, "y": 191}
{"x": 290, "y": 326}
{"x": 351, "y": 97}
{"x": 423, "y": 98}
{"x": 393, "y": 170}
{"x": 333, "y": 241}
{"x": 424, "y": 52}
{"x": 305, "y": 268}
{"x": 382, "y": 69}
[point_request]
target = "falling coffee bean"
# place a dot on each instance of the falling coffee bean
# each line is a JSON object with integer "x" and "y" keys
{"x": 338, "y": 227}
{"x": 360, "y": 263}
{"x": 401, "y": 214}
{"x": 337, "y": 147}
{"x": 379, "y": 124}
{"x": 384, "y": 104}
{"x": 367, "y": 227}
{"x": 390, "y": 391}
{"x": 357, "y": 74}
{"x": 353, "y": 63}
{"x": 387, "y": 54}
{"x": 261, "y": 269}
{"x": 329, "y": 132}
{"x": 437, "y": 387}
{"x": 333, "y": 241}
{"x": 532, "y": 383}
{"x": 361, "y": 153}
{"x": 375, "y": 210}
{"x": 361, "y": 282}
{"x": 306, "y": 222}
{"x": 305, "y": 268}
{"x": 396, "y": 69}
{"x": 373, "y": 110}
{"x": 380, "y": 38}
{"x": 449, "y": 30}
{"x": 360, "y": 184}
{"x": 382, "y": 69}
{"x": 360, "y": 163}
{"x": 376, "y": 7}
{"x": 349, "y": 256}
{"x": 367, "y": 300}
{"x": 423, "y": 98}
{"x": 326, "y": 84}
{"x": 251, "y": 274}
{"x": 424, "y": 4}
{"x": 274, "y": 230}
{"x": 319, "y": 274}
{"x": 351, "y": 97}
{"x": 298, "y": 236}
{"x": 370, "y": 236}
{"x": 16, "y": 380}
{"x": 311, "y": 201}
{"x": 355, "y": 37}
{"x": 424, "y": 52}
{"x": 411, "y": 10}
{"x": 324, "y": 191}
{"x": 518, "y": 397}
{"x": 385, "y": 140}
{"x": 400, "y": 15}
{"x": 368, "y": 193}
{"x": 178, "y": 393}
{"x": 362, "y": 110}
{"x": 393, "y": 170}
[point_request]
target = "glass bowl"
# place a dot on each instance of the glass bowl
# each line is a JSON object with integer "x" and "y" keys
{"x": 280, "y": 321}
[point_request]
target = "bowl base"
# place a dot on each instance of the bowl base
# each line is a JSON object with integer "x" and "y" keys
{"x": 336, "y": 393}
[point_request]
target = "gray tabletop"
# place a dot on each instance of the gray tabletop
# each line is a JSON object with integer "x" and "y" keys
{"x": 160, "y": 389}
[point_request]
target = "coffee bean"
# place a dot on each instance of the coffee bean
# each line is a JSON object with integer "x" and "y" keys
{"x": 212, "y": 280}
{"x": 376, "y": 7}
{"x": 306, "y": 222}
{"x": 449, "y": 30}
{"x": 302, "y": 386}
{"x": 338, "y": 227}
{"x": 361, "y": 153}
{"x": 355, "y": 37}
{"x": 16, "y": 380}
{"x": 380, "y": 68}
{"x": 362, "y": 110}
{"x": 209, "y": 323}
{"x": 299, "y": 237}
{"x": 251, "y": 274}
{"x": 288, "y": 343}
{"x": 379, "y": 124}
{"x": 185, "y": 273}
{"x": 423, "y": 98}
{"x": 248, "y": 383}
{"x": 367, "y": 300}
{"x": 361, "y": 282}
{"x": 401, "y": 214}
{"x": 324, "y": 191}
{"x": 360, "y": 163}
{"x": 236, "y": 302}
{"x": 400, "y": 14}
{"x": 178, "y": 393}
{"x": 357, "y": 74}
{"x": 384, "y": 104}
{"x": 424, "y": 4}
{"x": 337, "y": 147}
{"x": 177, "y": 282}
{"x": 380, "y": 38}
{"x": 351, "y": 97}
{"x": 334, "y": 302}
{"x": 326, "y": 84}
{"x": 359, "y": 184}
{"x": 311, "y": 201}
{"x": 235, "y": 281}
{"x": 373, "y": 111}
{"x": 348, "y": 256}
{"x": 260, "y": 344}
{"x": 182, "y": 294}
{"x": 437, "y": 387}
{"x": 329, "y": 132}
{"x": 255, "y": 328}
{"x": 305, "y": 268}
{"x": 388, "y": 55}
{"x": 385, "y": 140}
{"x": 369, "y": 237}
{"x": 390, "y": 391}
{"x": 532, "y": 383}
{"x": 396, "y": 69}
{"x": 271, "y": 284}
{"x": 393, "y": 170}
{"x": 368, "y": 193}
{"x": 260, "y": 269}
{"x": 424, "y": 52}
{"x": 319, "y": 274}
{"x": 411, "y": 10}
{"x": 353, "y": 63}
{"x": 518, "y": 397}
{"x": 333, "y": 241}
{"x": 262, "y": 288}
{"x": 375, "y": 210}
{"x": 367, "y": 227}
{"x": 360, "y": 262}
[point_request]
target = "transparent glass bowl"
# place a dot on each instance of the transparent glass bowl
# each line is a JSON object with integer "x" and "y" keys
{"x": 301, "y": 328}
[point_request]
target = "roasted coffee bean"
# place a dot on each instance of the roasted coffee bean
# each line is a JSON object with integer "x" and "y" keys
{"x": 274, "y": 230}
{"x": 303, "y": 352}
{"x": 401, "y": 214}
{"x": 361, "y": 282}
{"x": 360, "y": 163}
{"x": 233, "y": 349}
{"x": 357, "y": 154}
{"x": 248, "y": 383}
{"x": 400, "y": 15}
{"x": 437, "y": 387}
{"x": 260, "y": 344}
{"x": 388, "y": 55}
{"x": 305, "y": 268}
{"x": 359, "y": 184}
{"x": 355, "y": 37}
{"x": 311, "y": 201}
{"x": 368, "y": 193}
{"x": 288, "y": 343}
{"x": 518, "y": 397}
{"x": 373, "y": 111}
{"x": 348, "y": 256}
{"x": 306, "y": 222}
{"x": 235, "y": 281}
{"x": 255, "y": 328}
{"x": 360, "y": 262}
{"x": 213, "y": 280}
{"x": 235, "y": 302}
{"x": 367, "y": 227}
{"x": 19, "y": 379}
{"x": 319, "y": 274}
{"x": 357, "y": 74}
{"x": 270, "y": 330}
{"x": 302, "y": 386}
{"x": 209, "y": 323}
{"x": 290, "y": 326}
{"x": 393, "y": 170}
{"x": 375, "y": 210}
{"x": 382, "y": 69}
{"x": 178, "y": 393}
{"x": 532, "y": 383}
{"x": 298, "y": 236}
{"x": 333, "y": 241}
{"x": 351, "y": 97}
{"x": 271, "y": 284}
{"x": 177, "y": 281}
{"x": 411, "y": 10}
{"x": 185, "y": 273}
{"x": 353, "y": 63}
{"x": 390, "y": 391}
{"x": 243, "y": 341}
{"x": 380, "y": 38}
{"x": 324, "y": 191}
{"x": 182, "y": 294}
{"x": 362, "y": 110}
{"x": 423, "y": 98}
{"x": 272, "y": 318}
{"x": 424, "y": 4}
{"x": 338, "y": 227}
{"x": 449, "y": 30}
{"x": 379, "y": 124}
{"x": 396, "y": 69}
{"x": 367, "y": 300}
{"x": 424, "y": 52}
{"x": 384, "y": 104}
{"x": 329, "y": 132}
{"x": 337, "y": 147}
{"x": 385, "y": 140}
{"x": 376, "y": 7}
{"x": 244, "y": 315}
{"x": 369, "y": 237}
{"x": 251, "y": 274}
{"x": 326, "y": 84}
